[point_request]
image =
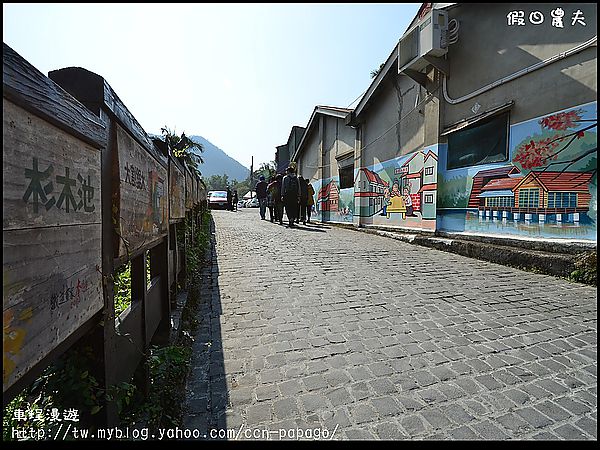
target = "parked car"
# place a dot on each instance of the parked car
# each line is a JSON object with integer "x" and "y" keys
{"x": 252, "y": 203}
{"x": 241, "y": 204}
{"x": 217, "y": 199}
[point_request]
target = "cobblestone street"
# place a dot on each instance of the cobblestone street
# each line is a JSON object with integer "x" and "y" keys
{"x": 366, "y": 337}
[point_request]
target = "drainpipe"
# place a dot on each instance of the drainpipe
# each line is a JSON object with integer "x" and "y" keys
{"x": 520, "y": 73}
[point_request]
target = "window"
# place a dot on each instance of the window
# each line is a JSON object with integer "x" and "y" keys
{"x": 562, "y": 200}
{"x": 484, "y": 143}
{"x": 346, "y": 177}
{"x": 428, "y": 170}
{"x": 529, "y": 198}
{"x": 502, "y": 202}
{"x": 346, "y": 171}
{"x": 428, "y": 198}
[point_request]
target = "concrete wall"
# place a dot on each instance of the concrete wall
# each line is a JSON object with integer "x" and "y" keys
{"x": 389, "y": 182}
{"x": 308, "y": 160}
{"x": 488, "y": 49}
{"x": 338, "y": 139}
{"x": 554, "y": 107}
{"x": 282, "y": 158}
{"x": 295, "y": 138}
{"x": 321, "y": 169}
{"x": 382, "y": 137}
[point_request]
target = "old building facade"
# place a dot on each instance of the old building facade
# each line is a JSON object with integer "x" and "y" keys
{"x": 488, "y": 129}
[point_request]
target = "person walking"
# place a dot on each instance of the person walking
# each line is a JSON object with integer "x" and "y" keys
{"x": 272, "y": 192}
{"x": 235, "y": 200}
{"x": 277, "y": 198}
{"x": 290, "y": 192}
{"x": 261, "y": 195}
{"x": 310, "y": 199}
{"x": 303, "y": 199}
{"x": 229, "y": 199}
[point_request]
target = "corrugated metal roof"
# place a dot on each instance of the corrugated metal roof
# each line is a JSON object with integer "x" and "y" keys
{"x": 499, "y": 193}
{"x": 501, "y": 183}
{"x": 494, "y": 172}
{"x": 374, "y": 177}
{"x": 564, "y": 181}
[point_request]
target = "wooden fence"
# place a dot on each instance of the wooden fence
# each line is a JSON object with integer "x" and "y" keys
{"x": 86, "y": 190}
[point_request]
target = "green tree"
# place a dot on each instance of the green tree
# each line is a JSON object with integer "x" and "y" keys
{"x": 182, "y": 147}
{"x": 375, "y": 72}
{"x": 217, "y": 182}
{"x": 268, "y": 170}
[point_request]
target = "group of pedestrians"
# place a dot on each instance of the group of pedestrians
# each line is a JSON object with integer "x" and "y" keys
{"x": 290, "y": 192}
{"x": 232, "y": 200}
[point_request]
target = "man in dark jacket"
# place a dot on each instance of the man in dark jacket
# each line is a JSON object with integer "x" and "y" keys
{"x": 229, "y": 199}
{"x": 303, "y": 200}
{"x": 261, "y": 195}
{"x": 290, "y": 195}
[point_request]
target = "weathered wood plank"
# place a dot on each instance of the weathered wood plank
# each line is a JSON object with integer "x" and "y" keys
{"x": 94, "y": 91}
{"x": 129, "y": 341}
{"x": 142, "y": 210}
{"x": 50, "y": 178}
{"x": 194, "y": 190}
{"x": 189, "y": 200}
{"x": 51, "y": 286}
{"x": 176, "y": 190}
{"x": 26, "y": 86}
{"x": 153, "y": 309}
{"x": 128, "y": 121}
{"x": 180, "y": 261}
{"x": 171, "y": 267}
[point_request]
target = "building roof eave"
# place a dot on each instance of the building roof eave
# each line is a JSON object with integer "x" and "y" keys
{"x": 332, "y": 111}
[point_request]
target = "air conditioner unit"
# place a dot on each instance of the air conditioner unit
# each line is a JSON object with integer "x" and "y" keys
{"x": 425, "y": 40}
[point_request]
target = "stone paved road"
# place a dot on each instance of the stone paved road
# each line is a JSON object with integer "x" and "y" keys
{"x": 331, "y": 329}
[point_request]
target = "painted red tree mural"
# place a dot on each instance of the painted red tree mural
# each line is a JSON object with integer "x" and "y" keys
{"x": 544, "y": 152}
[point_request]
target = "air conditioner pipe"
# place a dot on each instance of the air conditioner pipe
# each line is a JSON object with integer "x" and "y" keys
{"x": 536, "y": 66}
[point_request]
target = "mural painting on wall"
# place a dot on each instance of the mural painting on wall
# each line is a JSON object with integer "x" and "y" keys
{"x": 400, "y": 191}
{"x": 332, "y": 203}
{"x": 548, "y": 187}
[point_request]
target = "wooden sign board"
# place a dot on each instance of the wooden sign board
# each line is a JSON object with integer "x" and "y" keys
{"x": 143, "y": 195}
{"x": 52, "y": 241}
{"x": 176, "y": 191}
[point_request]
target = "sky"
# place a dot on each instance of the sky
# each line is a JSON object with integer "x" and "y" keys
{"x": 240, "y": 75}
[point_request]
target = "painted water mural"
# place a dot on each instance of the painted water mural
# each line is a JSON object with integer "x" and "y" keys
{"x": 547, "y": 188}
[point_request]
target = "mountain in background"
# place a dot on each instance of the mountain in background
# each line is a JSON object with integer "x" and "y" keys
{"x": 217, "y": 162}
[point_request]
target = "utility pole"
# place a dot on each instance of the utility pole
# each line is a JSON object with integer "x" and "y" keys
{"x": 251, "y": 176}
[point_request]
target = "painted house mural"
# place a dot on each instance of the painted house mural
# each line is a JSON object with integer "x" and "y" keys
{"x": 548, "y": 187}
{"x": 400, "y": 191}
{"x": 369, "y": 192}
{"x": 332, "y": 203}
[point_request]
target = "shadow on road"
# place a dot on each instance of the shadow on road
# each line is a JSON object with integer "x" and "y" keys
{"x": 207, "y": 397}
{"x": 219, "y": 397}
{"x": 308, "y": 228}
